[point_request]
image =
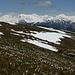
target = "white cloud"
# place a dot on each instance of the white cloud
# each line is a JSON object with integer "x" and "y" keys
{"x": 39, "y": 3}
{"x": 43, "y": 3}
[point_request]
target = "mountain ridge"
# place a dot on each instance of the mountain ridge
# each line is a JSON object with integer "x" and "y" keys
{"x": 60, "y": 21}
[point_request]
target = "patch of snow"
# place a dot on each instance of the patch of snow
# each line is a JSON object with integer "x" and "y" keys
{"x": 50, "y": 36}
{"x": 12, "y": 23}
{"x": 1, "y": 33}
{"x": 15, "y": 34}
{"x": 35, "y": 32}
{"x": 24, "y": 40}
{"x": 20, "y": 32}
{"x": 52, "y": 29}
{"x": 40, "y": 44}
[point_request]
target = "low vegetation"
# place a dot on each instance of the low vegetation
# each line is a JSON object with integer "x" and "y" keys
{"x": 18, "y": 58}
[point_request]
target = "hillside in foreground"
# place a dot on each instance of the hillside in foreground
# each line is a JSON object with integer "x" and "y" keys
{"x": 32, "y": 50}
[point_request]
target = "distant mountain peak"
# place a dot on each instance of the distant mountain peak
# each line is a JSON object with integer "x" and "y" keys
{"x": 34, "y": 14}
{"x": 62, "y": 15}
{"x": 61, "y": 19}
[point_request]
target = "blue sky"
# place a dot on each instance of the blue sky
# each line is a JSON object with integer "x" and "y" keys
{"x": 41, "y": 7}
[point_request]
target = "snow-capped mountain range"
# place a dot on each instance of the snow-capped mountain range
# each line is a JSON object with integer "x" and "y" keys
{"x": 60, "y": 21}
{"x": 29, "y": 18}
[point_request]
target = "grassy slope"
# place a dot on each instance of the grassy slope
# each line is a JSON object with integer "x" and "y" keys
{"x": 18, "y": 58}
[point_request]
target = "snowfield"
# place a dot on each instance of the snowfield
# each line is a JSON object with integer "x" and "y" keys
{"x": 40, "y": 44}
{"x": 53, "y": 37}
{"x": 50, "y": 36}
